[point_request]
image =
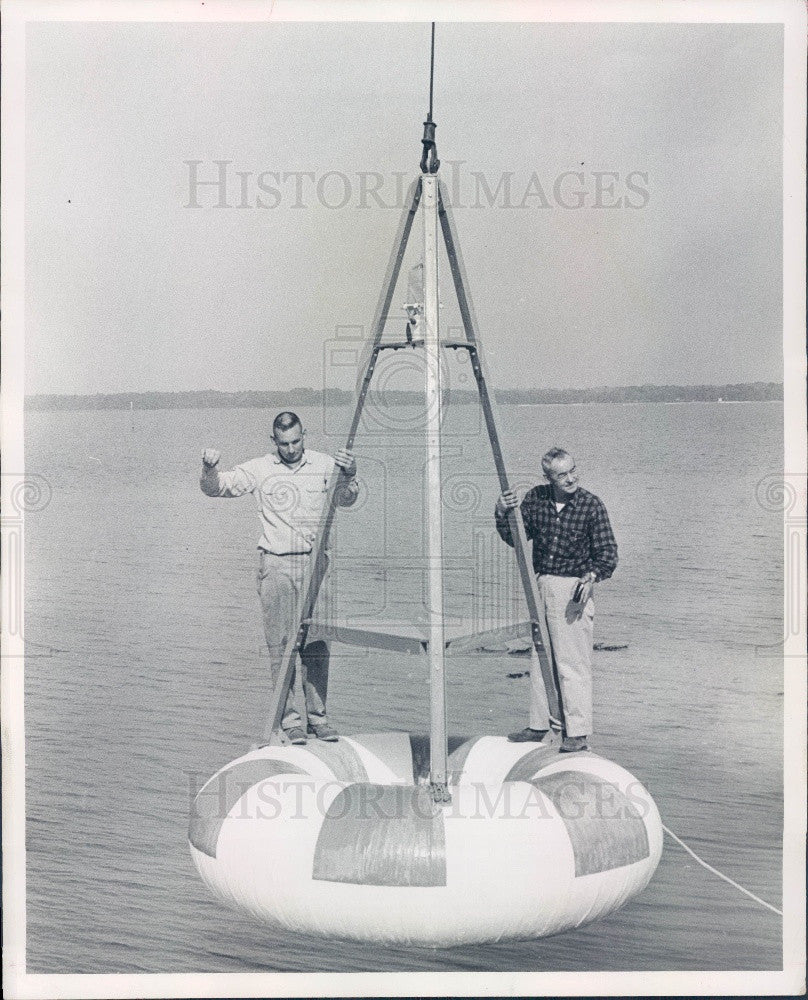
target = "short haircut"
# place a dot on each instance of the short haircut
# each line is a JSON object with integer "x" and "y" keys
{"x": 551, "y": 456}
{"x": 284, "y": 421}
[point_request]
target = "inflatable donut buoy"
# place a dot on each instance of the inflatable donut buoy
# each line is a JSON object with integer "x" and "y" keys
{"x": 344, "y": 840}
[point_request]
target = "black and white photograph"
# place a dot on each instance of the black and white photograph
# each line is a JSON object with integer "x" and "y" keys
{"x": 403, "y": 498}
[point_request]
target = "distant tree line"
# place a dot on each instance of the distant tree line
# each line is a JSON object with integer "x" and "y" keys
{"x": 303, "y": 397}
{"x": 198, "y": 399}
{"x": 737, "y": 392}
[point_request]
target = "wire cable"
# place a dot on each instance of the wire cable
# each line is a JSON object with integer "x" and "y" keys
{"x": 431, "y": 69}
{"x": 715, "y": 871}
{"x": 429, "y": 155}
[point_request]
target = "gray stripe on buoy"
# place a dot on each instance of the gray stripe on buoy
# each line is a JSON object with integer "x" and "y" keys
{"x": 382, "y": 835}
{"x": 222, "y": 792}
{"x": 526, "y": 767}
{"x": 420, "y": 749}
{"x": 341, "y": 757}
{"x": 604, "y": 826}
{"x": 458, "y": 756}
{"x": 392, "y": 749}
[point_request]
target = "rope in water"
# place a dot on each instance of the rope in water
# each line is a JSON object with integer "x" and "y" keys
{"x": 715, "y": 871}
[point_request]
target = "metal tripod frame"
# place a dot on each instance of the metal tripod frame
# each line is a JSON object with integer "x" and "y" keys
{"x": 318, "y": 564}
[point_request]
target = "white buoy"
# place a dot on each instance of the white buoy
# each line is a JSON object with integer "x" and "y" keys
{"x": 345, "y": 839}
{"x": 424, "y": 840}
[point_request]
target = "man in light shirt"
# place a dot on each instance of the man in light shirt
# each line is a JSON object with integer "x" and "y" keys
{"x": 290, "y": 488}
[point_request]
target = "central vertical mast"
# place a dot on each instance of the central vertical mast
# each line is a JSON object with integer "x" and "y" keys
{"x": 434, "y": 519}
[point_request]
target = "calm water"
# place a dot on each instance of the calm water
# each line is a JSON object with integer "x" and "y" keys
{"x": 146, "y": 672}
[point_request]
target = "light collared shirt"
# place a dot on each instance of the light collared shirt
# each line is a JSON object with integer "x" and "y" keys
{"x": 290, "y": 500}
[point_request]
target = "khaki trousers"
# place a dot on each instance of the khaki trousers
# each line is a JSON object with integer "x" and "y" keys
{"x": 280, "y": 584}
{"x": 571, "y": 630}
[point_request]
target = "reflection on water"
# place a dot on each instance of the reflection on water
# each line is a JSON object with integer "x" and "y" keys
{"x": 147, "y": 670}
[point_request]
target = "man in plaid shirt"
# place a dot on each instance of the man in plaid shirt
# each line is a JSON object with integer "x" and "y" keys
{"x": 573, "y": 544}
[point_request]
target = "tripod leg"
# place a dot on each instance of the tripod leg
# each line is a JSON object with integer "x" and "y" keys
{"x": 318, "y": 563}
{"x": 385, "y": 298}
{"x": 281, "y": 691}
{"x": 515, "y": 521}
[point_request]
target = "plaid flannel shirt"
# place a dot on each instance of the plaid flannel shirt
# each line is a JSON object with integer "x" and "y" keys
{"x": 569, "y": 543}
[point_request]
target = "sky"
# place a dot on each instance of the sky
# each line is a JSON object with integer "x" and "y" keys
{"x": 616, "y": 188}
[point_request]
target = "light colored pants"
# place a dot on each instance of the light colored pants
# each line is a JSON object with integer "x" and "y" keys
{"x": 571, "y": 631}
{"x": 280, "y": 584}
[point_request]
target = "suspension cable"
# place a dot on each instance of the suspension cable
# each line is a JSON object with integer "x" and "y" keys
{"x": 429, "y": 156}
{"x": 431, "y": 70}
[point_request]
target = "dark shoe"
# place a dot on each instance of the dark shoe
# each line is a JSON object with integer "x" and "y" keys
{"x": 572, "y": 744}
{"x": 296, "y": 736}
{"x": 528, "y": 735}
{"x": 324, "y": 732}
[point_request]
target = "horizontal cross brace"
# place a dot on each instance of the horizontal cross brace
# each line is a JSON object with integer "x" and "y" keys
{"x": 396, "y": 345}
